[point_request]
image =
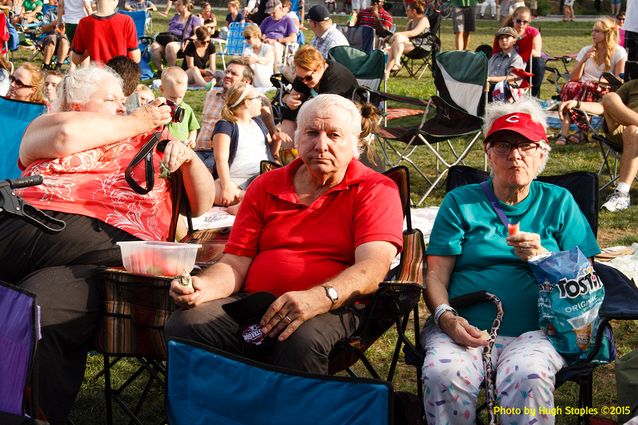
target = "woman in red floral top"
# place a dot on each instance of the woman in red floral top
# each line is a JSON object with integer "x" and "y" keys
{"x": 82, "y": 149}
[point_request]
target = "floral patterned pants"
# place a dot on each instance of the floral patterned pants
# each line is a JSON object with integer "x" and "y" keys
{"x": 525, "y": 374}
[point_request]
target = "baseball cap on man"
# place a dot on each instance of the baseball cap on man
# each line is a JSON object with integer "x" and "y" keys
{"x": 270, "y": 6}
{"x": 318, "y": 13}
{"x": 518, "y": 122}
{"x": 506, "y": 31}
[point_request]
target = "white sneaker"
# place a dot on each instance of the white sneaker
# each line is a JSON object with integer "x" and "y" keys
{"x": 617, "y": 201}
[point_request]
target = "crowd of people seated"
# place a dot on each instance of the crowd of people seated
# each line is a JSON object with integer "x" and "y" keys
{"x": 326, "y": 191}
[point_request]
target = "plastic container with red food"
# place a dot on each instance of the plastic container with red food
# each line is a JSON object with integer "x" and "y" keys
{"x": 158, "y": 258}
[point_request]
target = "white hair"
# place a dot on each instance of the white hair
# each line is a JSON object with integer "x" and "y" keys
{"x": 495, "y": 110}
{"x": 78, "y": 86}
{"x": 327, "y": 102}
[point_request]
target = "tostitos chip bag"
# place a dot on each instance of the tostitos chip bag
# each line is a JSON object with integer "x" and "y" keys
{"x": 570, "y": 296}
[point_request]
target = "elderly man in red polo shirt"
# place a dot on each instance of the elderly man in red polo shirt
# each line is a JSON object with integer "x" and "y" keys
{"x": 317, "y": 234}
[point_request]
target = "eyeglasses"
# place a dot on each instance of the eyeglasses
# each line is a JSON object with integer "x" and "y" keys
{"x": 307, "y": 78}
{"x": 248, "y": 37}
{"x": 18, "y": 83}
{"x": 504, "y": 148}
{"x": 522, "y": 22}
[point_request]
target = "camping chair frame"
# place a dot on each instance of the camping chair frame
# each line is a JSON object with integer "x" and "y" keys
{"x": 127, "y": 329}
{"x": 393, "y": 303}
{"x": 609, "y": 151}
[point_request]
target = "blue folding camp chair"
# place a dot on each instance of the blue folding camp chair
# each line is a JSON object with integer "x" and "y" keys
{"x": 209, "y": 386}
{"x": 140, "y": 18}
{"x": 235, "y": 42}
{"x": 15, "y": 116}
{"x": 362, "y": 37}
{"x": 19, "y": 332}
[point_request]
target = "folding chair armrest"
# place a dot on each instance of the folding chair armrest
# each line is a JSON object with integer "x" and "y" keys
{"x": 470, "y": 299}
{"x": 145, "y": 39}
{"x": 586, "y": 118}
{"x": 425, "y": 39}
{"x": 395, "y": 97}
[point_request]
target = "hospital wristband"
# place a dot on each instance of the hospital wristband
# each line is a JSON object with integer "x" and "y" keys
{"x": 440, "y": 310}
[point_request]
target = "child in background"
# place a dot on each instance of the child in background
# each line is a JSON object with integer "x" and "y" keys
{"x": 144, "y": 94}
{"x": 173, "y": 88}
{"x": 140, "y": 5}
{"x": 568, "y": 11}
{"x": 501, "y": 63}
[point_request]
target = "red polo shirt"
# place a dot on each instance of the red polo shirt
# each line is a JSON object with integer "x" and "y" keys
{"x": 295, "y": 246}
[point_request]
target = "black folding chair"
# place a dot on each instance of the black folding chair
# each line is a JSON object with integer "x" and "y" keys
{"x": 426, "y": 44}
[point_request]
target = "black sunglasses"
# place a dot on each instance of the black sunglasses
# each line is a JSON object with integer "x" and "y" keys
{"x": 307, "y": 78}
{"x": 18, "y": 83}
{"x": 520, "y": 21}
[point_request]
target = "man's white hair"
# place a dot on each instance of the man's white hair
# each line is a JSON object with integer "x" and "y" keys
{"x": 328, "y": 102}
{"x": 78, "y": 86}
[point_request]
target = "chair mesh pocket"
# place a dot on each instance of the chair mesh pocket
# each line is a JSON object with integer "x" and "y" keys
{"x": 136, "y": 308}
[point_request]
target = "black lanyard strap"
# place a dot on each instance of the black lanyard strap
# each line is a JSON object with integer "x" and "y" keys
{"x": 145, "y": 154}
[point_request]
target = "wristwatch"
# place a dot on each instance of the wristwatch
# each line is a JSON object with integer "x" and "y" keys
{"x": 440, "y": 310}
{"x": 332, "y": 294}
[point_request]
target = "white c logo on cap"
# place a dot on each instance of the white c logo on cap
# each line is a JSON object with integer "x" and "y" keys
{"x": 513, "y": 118}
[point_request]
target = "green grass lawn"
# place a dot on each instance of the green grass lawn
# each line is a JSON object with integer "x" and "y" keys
{"x": 619, "y": 228}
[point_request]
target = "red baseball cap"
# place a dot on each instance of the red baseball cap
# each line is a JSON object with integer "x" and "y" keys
{"x": 518, "y": 122}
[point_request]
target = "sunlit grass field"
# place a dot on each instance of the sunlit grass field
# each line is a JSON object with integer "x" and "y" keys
{"x": 619, "y": 228}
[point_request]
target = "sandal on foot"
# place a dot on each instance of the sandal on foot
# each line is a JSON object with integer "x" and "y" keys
{"x": 561, "y": 140}
{"x": 573, "y": 139}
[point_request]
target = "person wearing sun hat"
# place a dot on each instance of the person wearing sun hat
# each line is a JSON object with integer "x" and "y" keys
{"x": 326, "y": 33}
{"x": 471, "y": 249}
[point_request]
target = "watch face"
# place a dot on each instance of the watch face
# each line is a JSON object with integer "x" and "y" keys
{"x": 332, "y": 293}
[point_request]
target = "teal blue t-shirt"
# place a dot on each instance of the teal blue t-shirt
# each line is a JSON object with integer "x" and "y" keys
{"x": 180, "y": 130}
{"x": 467, "y": 227}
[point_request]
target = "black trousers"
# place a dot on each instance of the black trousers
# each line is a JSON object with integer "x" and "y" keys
{"x": 538, "y": 69}
{"x": 307, "y": 349}
{"x": 60, "y": 270}
{"x": 631, "y": 44}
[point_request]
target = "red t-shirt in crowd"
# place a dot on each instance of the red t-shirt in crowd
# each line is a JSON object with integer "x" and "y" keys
{"x": 295, "y": 246}
{"x": 105, "y": 37}
{"x": 366, "y": 17}
{"x": 524, "y": 44}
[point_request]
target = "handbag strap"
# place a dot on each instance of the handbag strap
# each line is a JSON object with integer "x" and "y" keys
{"x": 495, "y": 203}
{"x": 188, "y": 21}
{"x": 145, "y": 154}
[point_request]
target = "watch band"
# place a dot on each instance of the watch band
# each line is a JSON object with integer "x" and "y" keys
{"x": 443, "y": 308}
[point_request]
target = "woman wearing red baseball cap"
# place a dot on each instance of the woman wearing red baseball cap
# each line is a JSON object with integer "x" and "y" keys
{"x": 471, "y": 249}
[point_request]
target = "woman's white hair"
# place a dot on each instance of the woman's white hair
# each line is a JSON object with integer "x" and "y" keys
{"x": 495, "y": 110}
{"x": 78, "y": 86}
{"x": 328, "y": 102}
